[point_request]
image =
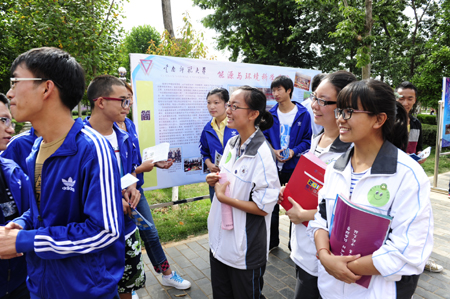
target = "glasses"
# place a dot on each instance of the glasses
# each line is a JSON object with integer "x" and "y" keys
{"x": 13, "y": 81}
{"x": 125, "y": 102}
{"x": 320, "y": 101}
{"x": 8, "y": 122}
{"x": 347, "y": 112}
{"x": 234, "y": 107}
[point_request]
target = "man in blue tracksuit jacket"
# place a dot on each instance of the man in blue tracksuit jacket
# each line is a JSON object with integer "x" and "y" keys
{"x": 73, "y": 233}
{"x": 15, "y": 192}
{"x": 290, "y": 136}
{"x": 19, "y": 147}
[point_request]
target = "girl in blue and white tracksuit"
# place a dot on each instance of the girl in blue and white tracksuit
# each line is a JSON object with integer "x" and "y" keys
{"x": 380, "y": 177}
{"x": 327, "y": 147}
{"x": 238, "y": 256}
{"x": 216, "y": 133}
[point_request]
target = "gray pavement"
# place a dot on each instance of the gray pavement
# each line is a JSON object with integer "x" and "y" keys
{"x": 190, "y": 258}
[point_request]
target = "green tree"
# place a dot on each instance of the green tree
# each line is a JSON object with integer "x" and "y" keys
{"x": 189, "y": 45}
{"x": 137, "y": 41}
{"x": 89, "y": 30}
{"x": 428, "y": 76}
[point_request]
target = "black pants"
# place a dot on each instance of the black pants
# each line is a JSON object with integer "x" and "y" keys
{"x": 231, "y": 283}
{"x": 306, "y": 286}
{"x": 275, "y": 220}
{"x": 407, "y": 286}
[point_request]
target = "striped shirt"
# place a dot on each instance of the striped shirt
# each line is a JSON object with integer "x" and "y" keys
{"x": 355, "y": 178}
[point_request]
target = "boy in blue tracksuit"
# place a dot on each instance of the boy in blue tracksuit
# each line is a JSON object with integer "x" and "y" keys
{"x": 73, "y": 233}
{"x": 19, "y": 147}
{"x": 15, "y": 191}
{"x": 109, "y": 101}
{"x": 290, "y": 136}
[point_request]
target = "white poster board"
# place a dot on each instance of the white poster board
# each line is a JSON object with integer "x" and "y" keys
{"x": 170, "y": 105}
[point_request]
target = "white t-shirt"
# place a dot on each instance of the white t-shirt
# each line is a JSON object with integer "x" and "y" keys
{"x": 115, "y": 144}
{"x": 286, "y": 120}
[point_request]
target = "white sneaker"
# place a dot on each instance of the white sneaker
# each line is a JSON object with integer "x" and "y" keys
{"x": 176, "y": 281}
{"x": 432, "y": 266}
{"x": 134, "y": 295}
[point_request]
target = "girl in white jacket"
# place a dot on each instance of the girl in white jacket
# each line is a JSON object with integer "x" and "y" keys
{"x": 238, "y": 256}
{"x": 378, "y": 176}
{"x": 328, "y": 147}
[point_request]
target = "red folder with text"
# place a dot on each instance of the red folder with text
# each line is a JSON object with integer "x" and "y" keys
{"x": 305, "y": 183}
{"x": 356, "y": 230}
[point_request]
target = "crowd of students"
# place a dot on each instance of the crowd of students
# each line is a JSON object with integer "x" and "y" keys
{"x": 66, "y": 228}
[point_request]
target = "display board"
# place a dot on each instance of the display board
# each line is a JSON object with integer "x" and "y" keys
{"x": 446, "y": 117}
{"x": 170, "y": 105}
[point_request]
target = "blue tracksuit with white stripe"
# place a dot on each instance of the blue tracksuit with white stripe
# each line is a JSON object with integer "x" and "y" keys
{"x": 19, "y": 147}
{"x": 74, "y": 240}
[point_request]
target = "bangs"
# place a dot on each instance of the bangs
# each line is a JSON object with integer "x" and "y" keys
{"x": 352, "y": 94}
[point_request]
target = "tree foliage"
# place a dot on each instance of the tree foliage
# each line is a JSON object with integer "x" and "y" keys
{"x": 137, "y": 41}
{"x": 89, "y": 30}
{"x": 189, "y": 45}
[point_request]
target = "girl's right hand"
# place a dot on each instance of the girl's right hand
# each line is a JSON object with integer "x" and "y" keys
{"x": 280, "y": 195}
{"x": 212, "y": 179}
{"x": 336, "y": 266}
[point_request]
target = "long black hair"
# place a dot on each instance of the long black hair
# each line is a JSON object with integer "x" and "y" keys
{"x": 256, "y": 100}
{"x": 222, "y": 93}
{"x": 378, "y": 97}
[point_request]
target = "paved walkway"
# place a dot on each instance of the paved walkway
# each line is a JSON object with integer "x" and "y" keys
{"x": 190, "y": 258}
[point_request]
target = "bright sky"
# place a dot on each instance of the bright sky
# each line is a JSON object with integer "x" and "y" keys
{"x": 143, "y": 12}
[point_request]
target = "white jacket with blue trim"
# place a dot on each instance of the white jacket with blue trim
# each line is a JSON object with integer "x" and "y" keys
{"x": 405, "y": 196}
{"x": 253, "y": 177}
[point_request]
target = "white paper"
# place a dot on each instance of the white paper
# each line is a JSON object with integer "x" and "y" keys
{"x": 156, "y": 153}
{"x": 217, "y": 158}
{"x": 425, "y": 153}
{"x": 128, "y": 180}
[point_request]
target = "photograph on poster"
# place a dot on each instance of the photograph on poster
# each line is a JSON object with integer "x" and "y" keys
{"x": 175, "y": 154}
{"x": 193, "y": 164}
{"x": 302, "y": 81}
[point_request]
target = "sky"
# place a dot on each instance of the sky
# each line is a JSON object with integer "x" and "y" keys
{"x": 149, "y": 12}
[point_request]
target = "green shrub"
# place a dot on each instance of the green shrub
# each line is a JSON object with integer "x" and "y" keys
{"x": 19, "y": 126}
{"x": 429, "y": 135}
{"x": 427, "y": 119}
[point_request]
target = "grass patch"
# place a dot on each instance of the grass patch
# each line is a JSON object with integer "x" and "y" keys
{"x": 444, "y": 162}
{"x": 188, "y": 220}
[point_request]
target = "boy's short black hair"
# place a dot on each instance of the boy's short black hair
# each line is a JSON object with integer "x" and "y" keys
{"x": 101, "y": 86}
{"x": 4, "y": 99}
{"x": 407, "y": 85}
{"x": 284, "y": 81}
{"x": 58, "y": 66}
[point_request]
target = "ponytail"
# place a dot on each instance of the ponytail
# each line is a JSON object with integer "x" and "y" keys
{"x": 266, "y": 121}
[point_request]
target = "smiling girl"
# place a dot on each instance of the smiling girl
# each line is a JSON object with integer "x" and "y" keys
{"x": 215, "y": 134}
{"x": 238, "y": 256}
{"x": 366, "y": 115}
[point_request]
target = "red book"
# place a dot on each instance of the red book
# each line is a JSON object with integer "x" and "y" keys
{"x": 305, "y": 183}
{"x": 356, "y": 230}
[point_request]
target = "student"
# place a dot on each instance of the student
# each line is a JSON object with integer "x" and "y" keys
{"x": 291, "y": 132}
{"x": 408, "y": 98}
{"x": 315, "y": 128}
{"x": 109, "y": 101}
{"x": 15, "y": 191}
{"x": 215, "y": 134}
{"x": 72, "y": 235}
{"x": 327, "y": 147}
{"x": 238, "y": 257}
{"x": 150, "y": 237}
{"x": 366, "y": 116}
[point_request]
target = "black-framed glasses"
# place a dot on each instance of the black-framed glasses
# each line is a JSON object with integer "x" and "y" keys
{"x": 8, "y": 122}
{"x": 347, "y": 112}
{"x": 125, "y": 102}
{"x": 13, "y": 81}
{"x": 320, "y": 101}
{"x": 234, "y": 107}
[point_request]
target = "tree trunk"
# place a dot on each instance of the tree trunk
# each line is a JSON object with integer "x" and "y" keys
{"x": 167, "y": 17}
{"x": 368, "y": 29}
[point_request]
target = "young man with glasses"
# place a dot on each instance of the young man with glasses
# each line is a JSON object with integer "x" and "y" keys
{"x": 15, "y": 190}
{"x": 289, "y": 137}
{"x": 72, "y": 235}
